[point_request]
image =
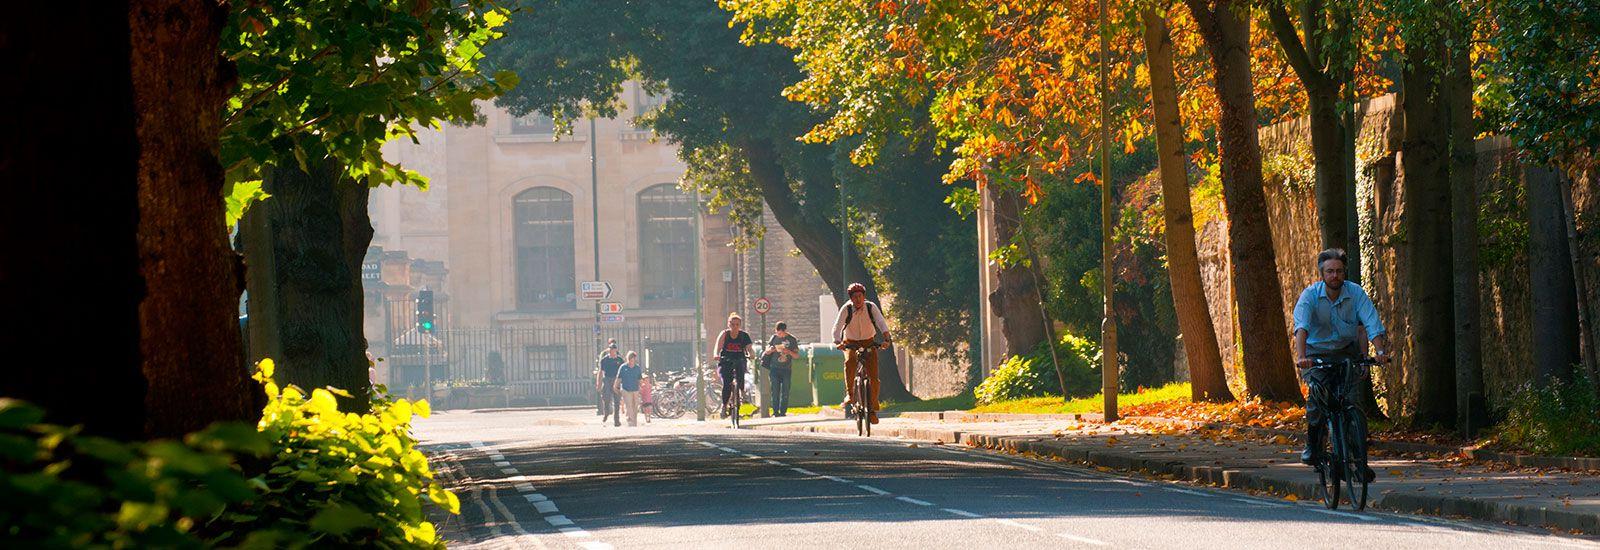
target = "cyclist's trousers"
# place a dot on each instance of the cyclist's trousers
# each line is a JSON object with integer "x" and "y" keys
{"x": 1320, "y": 383}
{"x": 854, "y": 359}
{"x": 732, "y": 372}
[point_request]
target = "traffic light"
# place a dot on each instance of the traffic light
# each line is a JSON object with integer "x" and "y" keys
{"x": 425, "y": 310}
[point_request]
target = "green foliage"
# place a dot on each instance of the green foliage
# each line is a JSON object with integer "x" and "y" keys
{"x": 1033, "y": 375}
{"x": 308, "y": 475}
{"x": 339, "y": 79}
{"x": 1550, "y": 66}
{"x": 1503, "y": 220}
{"x": 1561, "y": 419}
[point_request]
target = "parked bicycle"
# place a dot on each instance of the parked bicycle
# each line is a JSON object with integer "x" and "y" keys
{"x": 1342, "y": 457}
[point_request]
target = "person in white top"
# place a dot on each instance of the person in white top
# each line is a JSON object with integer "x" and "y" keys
{"x": 856, "y": 331}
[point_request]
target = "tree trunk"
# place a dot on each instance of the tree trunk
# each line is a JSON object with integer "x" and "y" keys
{"x": 1268, "y": 368}
{"x": 303, "y": 251}
{"x": 1554, "y": 296}
{"x": 818, "y": 240}
{"x": 1426, "y": 176}
{"x": 189, "y": 317}
{"x": 1471, "y": 406}
{"x": 1017, "y": 299}
{"x": 70, "y": 276}
{"x": 1206, "y": 377}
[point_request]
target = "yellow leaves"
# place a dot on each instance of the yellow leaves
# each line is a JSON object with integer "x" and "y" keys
{"x": 1291, "y": 498}
{"x": 323, "y": 403}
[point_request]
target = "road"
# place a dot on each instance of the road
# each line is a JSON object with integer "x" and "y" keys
{"x": 558, "y": 479}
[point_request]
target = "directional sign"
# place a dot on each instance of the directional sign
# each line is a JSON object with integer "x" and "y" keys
{"x": 610, "y": 307}
{"x": 594, "y": 290}
{"x": 611, "y": 318}
{"x": 763, "y": 305}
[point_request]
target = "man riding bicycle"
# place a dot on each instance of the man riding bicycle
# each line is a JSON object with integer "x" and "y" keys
{"x": 854, "y": 331}
{"x": 1329, "y": 319}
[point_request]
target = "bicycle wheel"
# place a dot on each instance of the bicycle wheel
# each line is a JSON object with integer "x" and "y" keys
{"x": 733, "y": 408}
{"x": 864, "y": 419}
{"x": 1355, "y": 460}
{"x": 1328, "y": 469}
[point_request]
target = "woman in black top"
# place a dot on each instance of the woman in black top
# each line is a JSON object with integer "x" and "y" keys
{"x": 730, "y": 350}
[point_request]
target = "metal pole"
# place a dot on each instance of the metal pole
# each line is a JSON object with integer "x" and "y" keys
{"x": 594, "y": 223}
{"x": 1108, "y": 335}
{"x": 699, "y": 314}
{"x": 761, "y": 291}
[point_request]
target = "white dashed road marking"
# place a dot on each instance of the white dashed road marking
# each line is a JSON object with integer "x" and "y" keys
{"x": 1085, "y": 540}
{"x": 1261, "y": 502}
{"x": 541, "y": 503}
{"x": 914, "y": 501}
{"x": 962, "y": 513}
{"x": 838, "y": 479}
{"x": 874, "y": 490}
{"x": 1015, "y": 523}
{"x": 1344, "y": 514}
{"x": 803, "y": 471}
{"x": 545, "y": 507}
{"x": 558, "y": 520}
{"x": 1188, "y": 492}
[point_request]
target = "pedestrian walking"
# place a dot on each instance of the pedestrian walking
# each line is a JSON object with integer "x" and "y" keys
{"x": 606, "y": 383}
{"x": 628, "y": 378}
{"x": 779, "y": 361}
{"x": 647, "y": 402}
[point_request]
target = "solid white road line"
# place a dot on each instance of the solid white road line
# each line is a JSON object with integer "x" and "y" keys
{"x": 1258, "y": 502}
{"x": 914, "y": 501}
{"x": 488, "y": 515}
{"x": 1188, "y": 492}
{"x": 962, "y": 513}
{"x": 494, "y": 497}
{"x": 874, "y": 490}
{"x": 1085, "y": 540}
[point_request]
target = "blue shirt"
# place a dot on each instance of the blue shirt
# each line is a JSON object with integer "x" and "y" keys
{"x": 629, "y": 376}
{"x": 1333, "y": 324}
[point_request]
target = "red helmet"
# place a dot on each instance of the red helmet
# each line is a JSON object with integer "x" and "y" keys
{"x": 854, "y": 288}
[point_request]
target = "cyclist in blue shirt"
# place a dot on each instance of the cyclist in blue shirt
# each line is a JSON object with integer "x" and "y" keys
{"x": 1329, "y": 319}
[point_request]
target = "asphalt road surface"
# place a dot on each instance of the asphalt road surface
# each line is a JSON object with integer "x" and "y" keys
{"x": 558, "y": 479}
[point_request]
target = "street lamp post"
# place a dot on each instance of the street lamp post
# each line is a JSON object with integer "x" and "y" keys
{"x": 1108, "y": 327}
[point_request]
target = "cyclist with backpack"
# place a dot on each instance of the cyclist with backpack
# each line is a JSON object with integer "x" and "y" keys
{"x": 856, "y": 331}
{"x": 1329, "y": 318}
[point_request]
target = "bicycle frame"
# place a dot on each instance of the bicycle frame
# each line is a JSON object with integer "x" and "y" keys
{"x": 1342, "y": 463}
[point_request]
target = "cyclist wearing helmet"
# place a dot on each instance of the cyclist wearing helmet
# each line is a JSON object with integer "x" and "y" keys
{"x": 859, "y": 323}
{"x": 729, "y": 352}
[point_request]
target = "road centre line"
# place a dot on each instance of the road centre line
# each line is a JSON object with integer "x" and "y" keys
{"x": 914, "y": 501}
{"x": 708, "y": 444}
{"x": 774, "y": 462}
{"x": 871, "y": 489}
{"x": 545, "y": 507}
{"x": 509, "y": 471}
{"x": 525, "y": 487}
{"x": 750, "y": 456}
{"x": 1015, "y": 523}
{"x": 726, "y": 450}
{"x": 962, "y": 513}
{"x": 804, "y": 471}
{"x": 838, "y": 479}
{"x": 541, "y": 503}
{"x": 502, "y": 463}
{"x": 535, "y": 497}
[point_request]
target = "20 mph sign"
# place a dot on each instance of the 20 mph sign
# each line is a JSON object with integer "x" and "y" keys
{"x": 763, "y": 305}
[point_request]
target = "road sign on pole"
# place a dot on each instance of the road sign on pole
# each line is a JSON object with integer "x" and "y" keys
{"x": 594, "y": 290}
{"x": 610, "y": 307}
{"x": 611, "y": 318}
{"x": 763, "y": 305}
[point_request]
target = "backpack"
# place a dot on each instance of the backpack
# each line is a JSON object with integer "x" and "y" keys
{"x": 850, "y": 313}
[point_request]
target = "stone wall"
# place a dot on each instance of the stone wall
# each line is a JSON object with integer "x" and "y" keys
{"x": 1381, "y": 205}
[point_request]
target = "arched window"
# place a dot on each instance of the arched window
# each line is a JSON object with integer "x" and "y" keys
{"x": 666, "y": 246}
{"x": 544, "y": 250}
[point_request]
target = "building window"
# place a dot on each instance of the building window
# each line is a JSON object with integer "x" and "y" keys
{"x": 666, "y": 246}
{"x": 549, "y": 363}
{"x": 645, "y": 103}
{"x": 543, "y": 238}
{"x": 533, "y": 123}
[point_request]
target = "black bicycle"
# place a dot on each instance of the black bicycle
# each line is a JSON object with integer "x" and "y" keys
{"x": 863, "y": 386}
{"x": 736, "y": 398}
{"x": 1342, "y": 455}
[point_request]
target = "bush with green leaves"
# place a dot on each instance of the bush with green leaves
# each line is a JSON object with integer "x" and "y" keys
{"x": 1562, "y": 418}
{"x": 306, "y": 475}
{"x": 1033, "y": 375}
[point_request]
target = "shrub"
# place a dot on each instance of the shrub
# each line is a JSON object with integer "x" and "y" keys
{"x": 1033, "y": 375}
{"x": 307, "y": 475}
{"x": 1560, "y": 419}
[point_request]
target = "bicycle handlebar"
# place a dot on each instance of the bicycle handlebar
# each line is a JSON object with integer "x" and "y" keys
{"x": 1318, "y": 362}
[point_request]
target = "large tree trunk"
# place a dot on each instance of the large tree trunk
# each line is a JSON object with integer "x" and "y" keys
{"x": 818, "y": 240}
{"x": 1555, "y": 312}
{"x": 1268, "y": 368}
{"x": 1017, "y": 299}
{"x": 1471, "y": 406}
{"x": 303, "y": 251}
{"x": 1427, "y": 226}
{"x": 69, "y": 277}
{"x": 1206, "y": 377}
{"x": 189, "y": 318}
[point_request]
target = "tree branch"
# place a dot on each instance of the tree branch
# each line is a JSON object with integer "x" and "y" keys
{"x": 1293, "y": 49}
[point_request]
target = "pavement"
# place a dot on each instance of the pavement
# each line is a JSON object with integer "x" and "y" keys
{"x": 557, "y": 478}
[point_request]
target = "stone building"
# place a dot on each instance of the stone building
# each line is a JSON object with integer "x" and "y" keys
{"x": 520, "y": 216}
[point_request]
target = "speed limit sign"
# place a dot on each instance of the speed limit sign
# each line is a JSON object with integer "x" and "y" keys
{"x": 763, "y": 305}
